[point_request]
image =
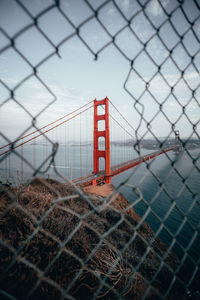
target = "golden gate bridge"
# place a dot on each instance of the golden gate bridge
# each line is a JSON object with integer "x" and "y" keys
{"x": 102, "y": 141}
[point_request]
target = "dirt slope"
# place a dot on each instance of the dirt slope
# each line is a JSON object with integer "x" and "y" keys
{"x": 53, "y": 242}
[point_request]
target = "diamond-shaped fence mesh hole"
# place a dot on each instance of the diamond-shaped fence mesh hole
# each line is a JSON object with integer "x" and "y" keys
{"x": 166, "y": 205}
{"x": 166, "y": 236}
{"x": 191, "y": 43}
{"x": 165, "y": 31}
{"x": 181, "y": 57}
{"x": 39, "y": 6}
{"x": 17, "y": 114}
{"x": 94, "y": 35}
{"x": 159, "y": 88}
{"x": 157, "y": 50}
{"x": 151, "y": 107}
{"x": 13, "y": 164}
{"x": 176, "y": 248}
{"x": 153, "y": 219}
{"x": 46, "y": 245}
{"x": 22, "y": 168}
{"x": 192, "y": 77}
{"x": 170, "y": 8}
{"x": 186, "y": 273}
{"x": 155, "y": 12}
{"x": 111, "y": 18}
{"x": 12, "y": 76}
{"x": 128, "y": 43}
{"x": 194, "y": 250}
{"x": 182, "y": 26}
{"x": 182, "y": 92}
{"x": 170, "y": 72}
{"x": 129, "y": 9}
{"x": 174, "y": 214}
{"x": 185, "y": 235}
{"x": 193, "y": 171}
{"x": 183, "y": 122}
{"x": 186, "y": 205}
{"x": 33, "y": 95}
{"x": 159, "y": 120}
{"x": 11, "y": 234}
{"x": 193, "y": 110}
{"x": 191, "y": 10}
{"x": 142, "y": 27}
{"x": 184, "y": 172}
{"x": 27, "y": 43}
{"x": 77, "y": 11}
{"x": 172, "y": 109}
{"x": 166, "y": 276}
{"x": 67, "y": 265}
{"x": 141, "y": 207}
{"x": 10, "y": 10}
{"x": 150, "y": 68}
{"x": 62, "y": 228}
{"x": 51, "y": 24}
{"x": 13, "y": 283}
{"x": 135, "y": 84}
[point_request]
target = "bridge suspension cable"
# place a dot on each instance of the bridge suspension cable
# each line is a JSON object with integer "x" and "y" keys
{"x": 121, "y": 126}
{"x": 80, "y": 149}
{"x": 123, "y": 117}
{"x": 42, "y": 133}
{"x": 31, "y": 133}
{"x": 119, "y": 123}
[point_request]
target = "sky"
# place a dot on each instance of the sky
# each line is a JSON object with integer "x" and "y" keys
{"x": 75, "y": 77}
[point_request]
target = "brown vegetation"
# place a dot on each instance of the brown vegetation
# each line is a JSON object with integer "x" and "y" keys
{"x": 69, "y": 246}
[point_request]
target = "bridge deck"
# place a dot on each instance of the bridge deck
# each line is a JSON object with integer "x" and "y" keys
{"x": 119, "y": 168}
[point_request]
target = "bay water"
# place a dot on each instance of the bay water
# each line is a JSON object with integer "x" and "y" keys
{"x": 169, "y": 185}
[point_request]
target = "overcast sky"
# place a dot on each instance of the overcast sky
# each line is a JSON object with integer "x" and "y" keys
{"x": 76, "y": 78}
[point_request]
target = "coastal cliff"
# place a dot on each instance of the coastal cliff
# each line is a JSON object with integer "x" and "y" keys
{"x": 72, "y": 244}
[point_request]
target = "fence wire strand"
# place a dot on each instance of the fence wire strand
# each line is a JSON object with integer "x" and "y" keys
{"x": 58, "y": 242}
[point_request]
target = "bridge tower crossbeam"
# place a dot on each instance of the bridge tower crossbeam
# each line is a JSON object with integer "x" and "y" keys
{"x": 101, "y": 133}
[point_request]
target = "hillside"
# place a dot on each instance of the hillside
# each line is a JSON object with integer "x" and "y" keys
{"x": 54, "y": 242}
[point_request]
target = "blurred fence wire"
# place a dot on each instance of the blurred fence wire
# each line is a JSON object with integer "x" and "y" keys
{"x": 57, "y": 242}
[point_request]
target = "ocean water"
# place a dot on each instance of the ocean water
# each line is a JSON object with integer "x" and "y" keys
{"x": 169, "y": 185}
{"x": 172, "y": 196}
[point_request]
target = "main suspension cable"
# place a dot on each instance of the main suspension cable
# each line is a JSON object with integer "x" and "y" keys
{"x": 42, "y": 133}
{"x": 123, "y": 117}
{"x": 25, "y": 136}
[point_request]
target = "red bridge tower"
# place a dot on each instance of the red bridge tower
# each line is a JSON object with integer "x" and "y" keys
{"x": 104, "y": 133}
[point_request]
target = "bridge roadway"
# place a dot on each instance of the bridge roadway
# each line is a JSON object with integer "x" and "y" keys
{"x": 120, "y": 168}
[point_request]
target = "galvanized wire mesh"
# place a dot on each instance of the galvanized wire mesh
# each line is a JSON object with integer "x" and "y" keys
{"x": 58, "y": 242}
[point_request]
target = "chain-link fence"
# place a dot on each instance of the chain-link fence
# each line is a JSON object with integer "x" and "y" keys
{"x": 58, "y": 242}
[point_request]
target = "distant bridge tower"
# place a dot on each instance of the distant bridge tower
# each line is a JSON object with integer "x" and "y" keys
{"x": 177, "y": 141}
{"x": 103, "y": 133}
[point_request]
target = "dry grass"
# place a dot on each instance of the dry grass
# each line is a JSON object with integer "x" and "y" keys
{"x": 107, "y": 262}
